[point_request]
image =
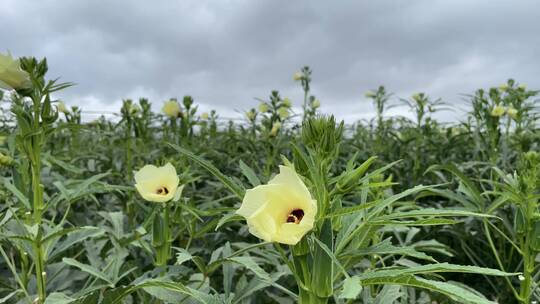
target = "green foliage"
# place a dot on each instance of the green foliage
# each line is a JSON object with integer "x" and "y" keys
{"x": 409, "y": 211}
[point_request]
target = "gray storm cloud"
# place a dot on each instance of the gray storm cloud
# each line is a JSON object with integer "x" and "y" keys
{"x": 225, "y": 53}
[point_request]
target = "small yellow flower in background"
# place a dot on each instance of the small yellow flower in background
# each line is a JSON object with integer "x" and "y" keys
{"x": 275, "y": 128}
{"x": 282, "y": 211}
{"x": 522, "y": 86}
{"x": 61, "y": 107}
{"x": 503, "y": 87}
{"x": 158, "y": 184}
{"x": 283, "y": 113}
{"x": 11, "y": 75}
{"x": 251, "y": 115}
{"x": 263, "y": 107}
{"x": 316, "y": 104}
{"x": 172, "y": 109}
{"x": 370, "y": 94}
{"x": 416, "y": 97}
{"x": 512, "y": 112}
{"x": 287, "y": 102}
{"x": 204, "y": 116}
{"x": 498, "y": 111}
{"x": 298, "y": 76}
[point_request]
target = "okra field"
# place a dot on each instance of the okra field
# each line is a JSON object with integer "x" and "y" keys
{"x": 287, "y": 205}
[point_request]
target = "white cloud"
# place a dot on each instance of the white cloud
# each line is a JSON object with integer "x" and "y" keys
{"x": 225, "y": 53}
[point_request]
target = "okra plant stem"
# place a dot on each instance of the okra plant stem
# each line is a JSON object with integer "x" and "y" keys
{"x": 163, "y": 250}
{"x": 37, "y": 197}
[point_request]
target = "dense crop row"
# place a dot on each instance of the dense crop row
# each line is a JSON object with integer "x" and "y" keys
{"x": 173, "y": 207}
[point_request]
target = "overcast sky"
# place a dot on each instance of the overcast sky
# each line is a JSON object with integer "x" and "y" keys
{"x": 224, "y": 53}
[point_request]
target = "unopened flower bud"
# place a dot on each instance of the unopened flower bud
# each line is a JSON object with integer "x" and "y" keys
{"x": 251, "y": 115}
{"x": 275, "y": 128}
{"x": 134, "y": 109}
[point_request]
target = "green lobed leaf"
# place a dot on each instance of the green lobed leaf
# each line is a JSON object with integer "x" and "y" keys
{"x": 250, "y": 264}
{"x": 249, "y": 174}
{"x": 432, "y": 268}
{"x": 88, "y": 269}
{"x": 386, "y": 247}
{"x": 454, "y": 292}
{"x": 23, "y": 199}
{"x": 234, "y": 187}
{"x": 352, "y": 287}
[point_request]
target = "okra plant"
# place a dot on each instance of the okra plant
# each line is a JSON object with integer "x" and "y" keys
{"x": 160, "y": 203}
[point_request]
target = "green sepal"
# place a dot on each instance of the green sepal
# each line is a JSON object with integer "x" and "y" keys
{"x": 323, "y": 266}
{"x": 535, "y": 244}
{"x": 519, "y": 221}
{"x": 301, "y": 248}
{"x": 158, "y": 229}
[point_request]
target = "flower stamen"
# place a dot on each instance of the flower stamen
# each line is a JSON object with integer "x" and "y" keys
{"x": 295, "y": 216}
{"x": 162, "y": 191}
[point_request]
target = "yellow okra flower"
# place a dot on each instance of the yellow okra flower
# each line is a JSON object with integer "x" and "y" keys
{"x": 158, "y": 184}
{"x": 172, "y": 109}
{"x": 11, "y": 74}
{"x": 282, "y": 211}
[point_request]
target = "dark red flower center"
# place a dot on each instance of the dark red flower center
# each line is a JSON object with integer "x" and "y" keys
{"x": 295, "y": 216}
{"x": 162, "y": 191}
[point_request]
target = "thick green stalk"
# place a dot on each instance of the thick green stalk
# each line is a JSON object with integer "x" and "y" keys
{"x": 35, "y": 161}
{"x": 37, "y": 198}
{"x": 528, "y": 256}
{"x": 40, "y": 270}
{"x": 130, "y": 206}
{"x": 24, "y": 267}
{"x": 306, "y": 297}
{"x": 129, "y": 165}
{"x": 162, "y": 237}
{"x": 37, "y": 189}
{"x": 416, "y": 165}
{"x": 526, "y": 284}
{"x": 174, "y": 133}
{"x": 38, "y": 208}
{"x": 306, "y": 92}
